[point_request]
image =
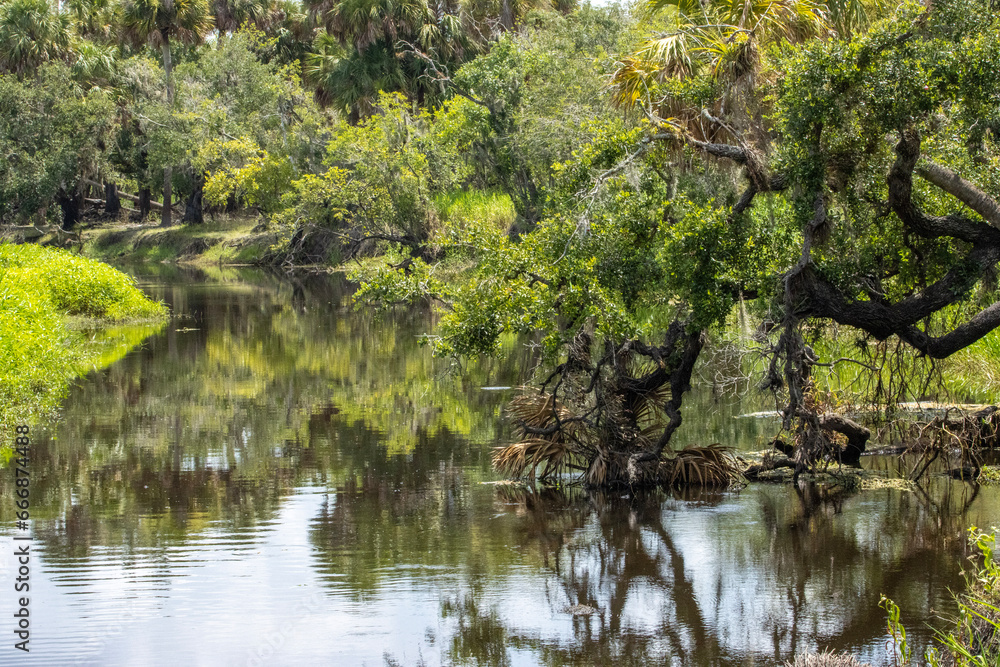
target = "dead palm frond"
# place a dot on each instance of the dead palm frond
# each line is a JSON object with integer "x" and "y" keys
{"x": 522, "y": 458}
{"x": 553, "y": 450}
{"x": 713, "y": 465}
{"x": 537, "y": 412}
{"x": 597, "y": 473}
{"x": 646, "y": 408}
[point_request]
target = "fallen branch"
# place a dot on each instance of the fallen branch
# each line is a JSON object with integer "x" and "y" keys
{"x": 125, "y": 195}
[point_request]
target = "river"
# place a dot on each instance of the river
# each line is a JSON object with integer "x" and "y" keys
{"x": 276, "y": 478}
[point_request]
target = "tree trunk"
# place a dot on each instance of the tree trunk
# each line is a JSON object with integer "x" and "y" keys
{"x": 69, "y": 202}
{"x": 112, "y": 205}
{"x": 193, "y": 209}
{"x": 144, "y": 202}
{"x": 857, "y": 436}
{"x": 507, "y": 15}
{"x": 167, "y": 171}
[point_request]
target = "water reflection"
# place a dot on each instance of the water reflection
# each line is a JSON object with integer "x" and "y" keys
{"x": 278, "y": 479}
{"x": 719, "y": 579}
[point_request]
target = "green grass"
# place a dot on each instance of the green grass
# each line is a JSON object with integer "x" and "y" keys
{"x": 40, "y": 289}
{"x": 462, "y": 208}
{"x": 976, "y": 369}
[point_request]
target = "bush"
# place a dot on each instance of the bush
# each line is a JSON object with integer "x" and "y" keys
{"x": 76, "y": 285}
{"x": 39, "y": 355}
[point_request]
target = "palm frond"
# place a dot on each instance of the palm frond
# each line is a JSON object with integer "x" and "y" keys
{"x": 712, "y": 465}
{"x": 689, "y": 8}
{"x": 522, "y": 458}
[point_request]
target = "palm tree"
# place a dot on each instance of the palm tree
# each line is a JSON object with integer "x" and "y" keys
{"x": 352, "y": 80}
{"x": 31, "y": 33}
{"x": 157, "y": 22}
{"x": 293, "y": 32}
{"x": 362, "y": 23}
{"x": 384, "y": 45}
{"x": 92, "y": 19}
{"x": 720, "y": 38}
{"x": 494, "y": 17}
{"x": 95, "y": 65}
{"x": 230, "y": 15}
{"x": 723, "y": 39}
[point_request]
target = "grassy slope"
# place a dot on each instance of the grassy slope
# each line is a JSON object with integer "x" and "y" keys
{"x": 40, "y": 289}
{"x": 237, "y": 239}
{"x": 228, "y": 240}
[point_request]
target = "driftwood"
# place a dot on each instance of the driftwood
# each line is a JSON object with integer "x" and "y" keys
{"x": 753, "y": 472}
{"x": 857, "y": 436}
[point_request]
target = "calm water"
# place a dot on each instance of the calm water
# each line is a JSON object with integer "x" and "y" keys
{"x": 277, "y": 479}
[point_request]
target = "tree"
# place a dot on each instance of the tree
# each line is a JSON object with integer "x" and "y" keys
{"x": 32, "y": 32}
{"x": 51, "y": 136}
{"x": 371, "y": 46}
{"x": 724, "y": 43}
{"x": 231, "y": 15}
{"x": 157, "y": 22}
{"x": 654, "y": 234}
{"x": 530, "y": 101}
{"x": 378, "y": 186}
{"x": 92, "y": 19}
{"x": 248, "y": 126}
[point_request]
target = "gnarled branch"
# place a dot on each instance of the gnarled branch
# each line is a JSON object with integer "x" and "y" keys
{"x": 962, "y": 190}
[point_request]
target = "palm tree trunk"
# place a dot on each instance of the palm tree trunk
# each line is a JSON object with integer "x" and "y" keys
{"x": 168, "y": 68}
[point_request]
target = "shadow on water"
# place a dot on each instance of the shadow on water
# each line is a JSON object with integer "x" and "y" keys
{"x": 272, "y": 444}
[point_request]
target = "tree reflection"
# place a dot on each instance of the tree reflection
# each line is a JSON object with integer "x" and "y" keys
{"x": 253, "y": 387}
{"x": 702, "y": 579}
{"x": 208, "y": 432}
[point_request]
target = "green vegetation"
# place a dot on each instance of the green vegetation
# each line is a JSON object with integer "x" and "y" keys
{"x": 973, "y": 635}
{"x": 229, "y": 240}
{"x": 39, "y": 353}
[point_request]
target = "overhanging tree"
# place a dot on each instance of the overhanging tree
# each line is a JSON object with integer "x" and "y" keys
{"x": 860, "y": 195}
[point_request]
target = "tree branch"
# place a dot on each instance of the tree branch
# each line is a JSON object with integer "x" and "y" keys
{"x": 962, "y": 190}
{"x": 900, "y": 183}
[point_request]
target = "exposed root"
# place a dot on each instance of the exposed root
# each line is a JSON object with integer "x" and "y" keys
{"x": 610, "y": 418}
{"x": 940, "y": 438}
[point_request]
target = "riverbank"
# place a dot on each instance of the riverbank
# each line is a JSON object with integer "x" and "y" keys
{"x": 228, "y": 240}
{"x": 48, "y": 299}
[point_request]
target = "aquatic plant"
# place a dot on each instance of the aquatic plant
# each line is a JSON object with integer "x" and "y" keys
{"x": 973, "y": 638}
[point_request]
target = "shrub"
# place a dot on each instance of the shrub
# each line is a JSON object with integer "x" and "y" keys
{"x": 77, "y": 285}
{"x": 39, "y": 355}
